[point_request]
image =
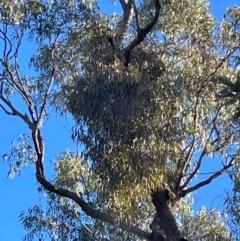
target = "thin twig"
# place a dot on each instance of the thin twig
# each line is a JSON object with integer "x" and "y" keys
{"x": 46, "y": 97}
{"x": 5, "y": 110}
{"x": 16, "y": 112}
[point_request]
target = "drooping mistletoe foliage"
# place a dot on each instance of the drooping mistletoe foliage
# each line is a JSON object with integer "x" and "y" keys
{"x": 153, "y": 91}
{"x": 155, "y": 112}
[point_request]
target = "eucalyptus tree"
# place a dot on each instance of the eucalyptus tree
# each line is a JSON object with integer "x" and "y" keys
{"x": 149, "y": 91}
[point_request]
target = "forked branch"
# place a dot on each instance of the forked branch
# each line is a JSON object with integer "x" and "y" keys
{"x": 129, "y": 10}
{"x": 14, "y": 111}
{"x": 142, "y": 32}
{"x": 208, "y": 180}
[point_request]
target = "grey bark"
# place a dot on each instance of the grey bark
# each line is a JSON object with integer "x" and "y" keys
{"x": 164, "y": 226}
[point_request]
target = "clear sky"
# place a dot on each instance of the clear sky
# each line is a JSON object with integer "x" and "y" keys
{"x": 19, "y": 193}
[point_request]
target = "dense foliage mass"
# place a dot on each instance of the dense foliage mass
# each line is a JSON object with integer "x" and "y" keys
{"x": 154, "y": 93}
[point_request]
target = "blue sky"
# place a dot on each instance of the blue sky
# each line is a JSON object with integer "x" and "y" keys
{"x": 19, "y": 193}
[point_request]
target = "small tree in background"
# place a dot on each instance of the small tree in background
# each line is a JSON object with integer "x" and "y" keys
{"x": 154, "y": 94}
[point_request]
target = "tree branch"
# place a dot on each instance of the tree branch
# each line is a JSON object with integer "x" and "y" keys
{"x": 15, "y": 111}
{"x": 123, "y": 4}
{"x": 204, "y": 152}
{"x": 5, "y": 110}
{"x": 45, "y": 98}
{"x": 19, "y": 88}
{"x": 142, "y": 33}
{"x": 7, "y": 42}
{"x": 39, "y": 147}
{"x": 168, "y": 225}
{"x": 124, "y": 23}
{"x": 136, "y": 16}
{"x": 199, "y": 163}
{"x": 90, "y": 211}
{"x": 223, "y": 60}
{"x": 208, "y": 180}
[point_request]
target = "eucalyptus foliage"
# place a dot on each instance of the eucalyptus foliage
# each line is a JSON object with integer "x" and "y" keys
{"x": 154, "y": 92}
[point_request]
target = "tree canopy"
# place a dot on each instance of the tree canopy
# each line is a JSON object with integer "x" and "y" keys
{"x": 154, "y": 93}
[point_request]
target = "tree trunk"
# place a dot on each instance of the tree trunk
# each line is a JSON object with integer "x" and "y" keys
{"x": 164, "y": 226}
